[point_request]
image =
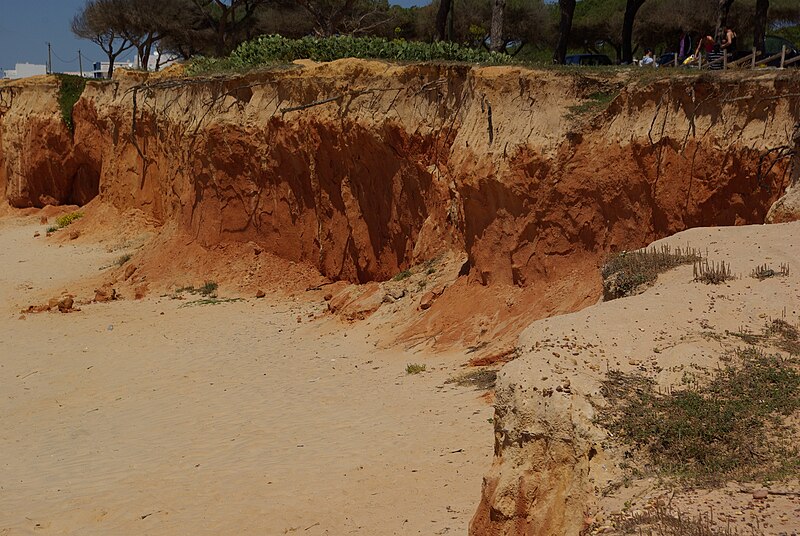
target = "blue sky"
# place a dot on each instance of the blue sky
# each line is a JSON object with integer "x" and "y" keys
{"x": 27, "y": 26}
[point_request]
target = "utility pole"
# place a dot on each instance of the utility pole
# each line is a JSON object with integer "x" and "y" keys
{"x": 49, "y": 59}
{"x": 80, "y": 62}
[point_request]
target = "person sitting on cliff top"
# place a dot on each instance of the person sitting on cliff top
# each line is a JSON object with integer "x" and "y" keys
{"x": 648, "y": 59}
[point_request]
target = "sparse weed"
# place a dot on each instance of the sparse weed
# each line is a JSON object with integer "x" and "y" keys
{"x": 594, "y": 104}
{"x": 66, "y": 219}
{"x": 763, "y": 272}
{"x": 626, "y": 272}
{"x": 52, "y": 229}
{"x": 211, "y": 301}
{"x": 482, "y": 379}
{"x": 208, "y": 288}
{"x": 712, "y": 273}
{"x": 662, "y": 521}
{"x": 122, "y": 259}
{"x": 405, "y": 274}
{"x": 731, "y": 426}
{"x": 415, "y": 368}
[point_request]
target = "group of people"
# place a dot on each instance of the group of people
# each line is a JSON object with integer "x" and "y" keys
{"x": 707, "y": 47}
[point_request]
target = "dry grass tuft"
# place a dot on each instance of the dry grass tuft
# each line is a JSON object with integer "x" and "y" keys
{"x": 625, "y": 273}
{"x": 712, "y": 273}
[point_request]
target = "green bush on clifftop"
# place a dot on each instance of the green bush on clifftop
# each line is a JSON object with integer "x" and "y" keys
{"x": 274, "y": 49}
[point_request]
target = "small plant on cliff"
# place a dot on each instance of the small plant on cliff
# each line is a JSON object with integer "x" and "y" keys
{"x": 122, "y": 259}
{"x": 593, "y": 104}
{"x": 66, "y": 219}
{"x": 405, "y": 274}
{"x": 208, "y": 288}
{"x": 624, "y": 273}
{"x": 70, "y": 89}
{"x": 712, "y": 273}
{"x": 415, "y": 368}
{"x": 732, "y": 426}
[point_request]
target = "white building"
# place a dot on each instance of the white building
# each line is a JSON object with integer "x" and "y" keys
{"x": 100, "y": 68}
{"x": 24, "y": 70}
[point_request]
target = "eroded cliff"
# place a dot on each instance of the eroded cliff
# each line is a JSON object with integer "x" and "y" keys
{"x": 361, "y": 169}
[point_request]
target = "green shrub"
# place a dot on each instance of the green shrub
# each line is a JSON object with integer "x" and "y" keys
{"x": 66, "y": 219}
{"x": 732, "y": 426}
{"x": 70, "y": 89}
{"x": 415, "y": 368}
{"x": 625, "y": 272}
{"x": 275, "y": 49}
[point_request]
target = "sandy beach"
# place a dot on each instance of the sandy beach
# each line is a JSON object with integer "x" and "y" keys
{"x": 162, "y": 417}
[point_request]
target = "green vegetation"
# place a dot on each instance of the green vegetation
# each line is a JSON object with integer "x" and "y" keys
{"x": 211, "y": 301}
{"x": 481, "y": 379}
{"x": 70, "y": 89}
{"x": 712, "y": 273}
{"x": 405, "y": 274}
{"x": 52, "y": 228}
{"x": 762, "y": 272}
{"x": 207, "y": 289}
{"x": 624, "y": 273}
{"x": 122, "y": 259}
{"x": 660, "y": 520}
{"x": 274, "y": 49}
{"x": 66, "y": 219}
{"x": 415, "y": 368}
{"x": 594, "y": 104}
{"x": 732, "y": 425}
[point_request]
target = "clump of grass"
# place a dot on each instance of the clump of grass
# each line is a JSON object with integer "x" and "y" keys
{"x": 405, "y": 274}
{"x": 626, "y": 272}
{"x": 662, "y": 521}
{"x": 595, "y": 103}
{"x": 784, "y": 335}
{"x": 731, "y": 426}
{"x": 207, "y": 289}
{"x": 66, "y": 219}
{"x": 415, "y": 368}
{"x": 712, "y": 273}
{"x": 211, "y": 301}
{"x": 482, "y": 379}
{"x": 122, "y": 259}
{"x": 763, "y": 272}
{"x": 52, "y": 229}
{"x": 70, "y": 89}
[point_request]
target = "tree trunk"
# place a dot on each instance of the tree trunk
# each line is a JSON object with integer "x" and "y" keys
{"x": 111, "y": 58}
{"x": 497, "y": 41}
{"x": 567, "y": 8}
{"x": 723, "y": 8}
{"x": 631, "y": 8}
{"x": 441, "y": 19}
{"x": 760, "y": 24}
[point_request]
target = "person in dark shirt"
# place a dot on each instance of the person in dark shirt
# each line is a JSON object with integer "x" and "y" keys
{"x": 729, "y": 40}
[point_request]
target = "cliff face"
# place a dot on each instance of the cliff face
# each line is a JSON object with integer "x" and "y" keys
{"x": 38, "y": 166}
{"x": 361, "y": 169}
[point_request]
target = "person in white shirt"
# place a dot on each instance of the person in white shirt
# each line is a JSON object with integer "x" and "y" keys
{"x": 647, "y": 59}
